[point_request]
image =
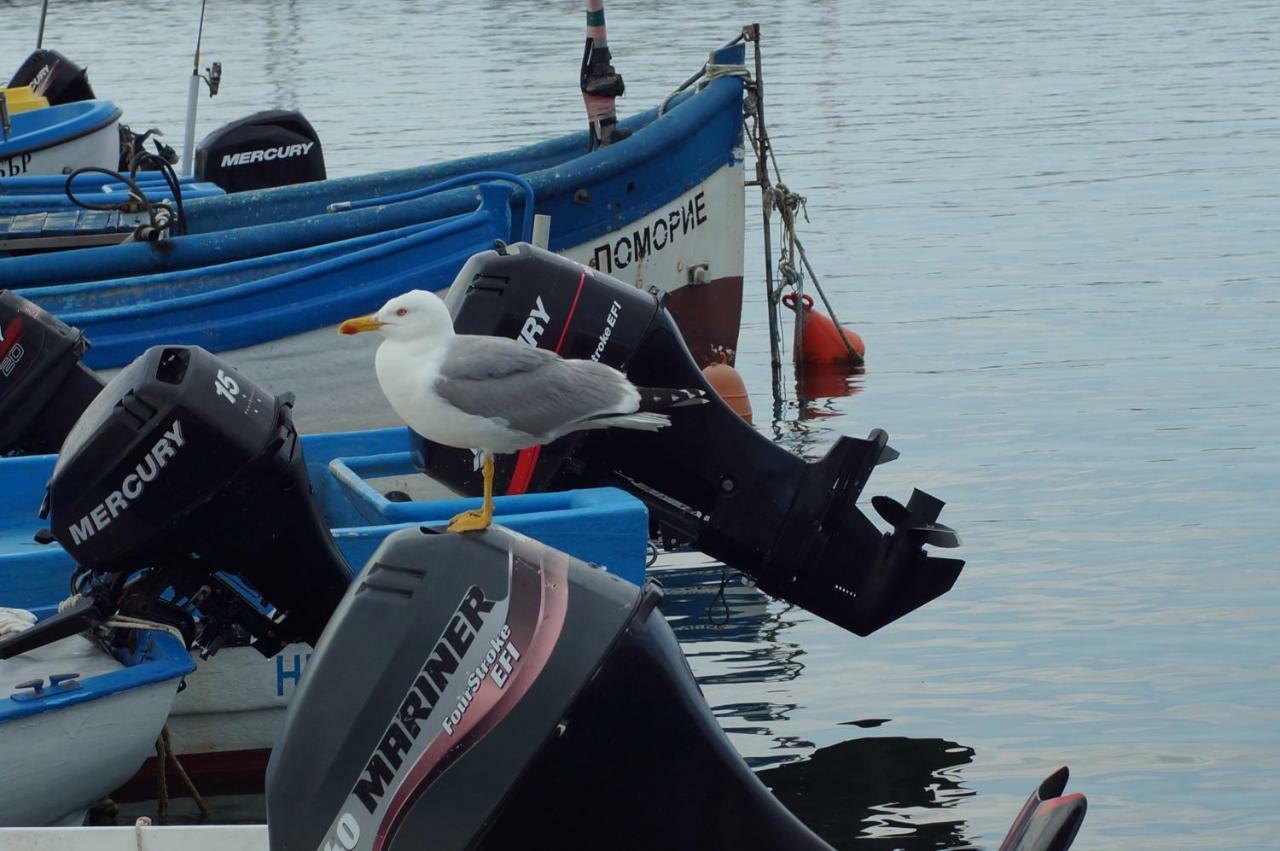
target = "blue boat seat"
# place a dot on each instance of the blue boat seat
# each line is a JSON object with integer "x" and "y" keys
{"x": 66, "y": 229}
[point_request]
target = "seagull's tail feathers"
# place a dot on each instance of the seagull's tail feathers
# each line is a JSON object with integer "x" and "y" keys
{"x": 665, "y": 398}
{"x": 640, "y": 422}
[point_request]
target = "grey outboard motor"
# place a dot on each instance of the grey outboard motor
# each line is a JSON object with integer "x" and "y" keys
{"x": 485, "y": 691}
{"x": 709, "y": 480}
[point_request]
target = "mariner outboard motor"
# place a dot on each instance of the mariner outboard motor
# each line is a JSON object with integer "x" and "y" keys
{"x": 182, "y": 481}
{"x": 271, "y": 148}
{"x": 44, "y": 386}
{"x": 513, "y": 697}
{"x": 709, "y": 480}
{"x": 54, "y": 76}
{"x": 485, "y": 691}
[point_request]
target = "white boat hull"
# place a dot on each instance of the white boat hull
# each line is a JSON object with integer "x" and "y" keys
{"x": 99, "y": 148}
{"x": 66, "y": 758}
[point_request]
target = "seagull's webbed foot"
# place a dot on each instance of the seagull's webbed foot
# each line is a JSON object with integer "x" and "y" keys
{"x": 479, "y": 518}
{"x": 471, "y": 521}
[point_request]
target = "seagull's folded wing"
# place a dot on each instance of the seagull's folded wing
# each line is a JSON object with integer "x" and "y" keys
{"x": 533, "y": 391}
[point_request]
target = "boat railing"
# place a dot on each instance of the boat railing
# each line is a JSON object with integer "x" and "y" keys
{"x": 471, "y": 179}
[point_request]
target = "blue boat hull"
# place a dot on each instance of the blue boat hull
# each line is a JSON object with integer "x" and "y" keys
{"x": 652, "y": 210}
{"x": 603, "y": 526}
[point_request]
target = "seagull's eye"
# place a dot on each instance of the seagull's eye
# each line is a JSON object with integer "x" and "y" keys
{"x": 402, "y": 311}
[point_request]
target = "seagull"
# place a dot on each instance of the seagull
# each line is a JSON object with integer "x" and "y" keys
{"x": 495, "y": 394}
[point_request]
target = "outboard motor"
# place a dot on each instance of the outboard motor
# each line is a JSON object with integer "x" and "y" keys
{"x": 486, "y": 691}
{"x": 180, "y": 479}
{"x": 709, "y": 480}
{"x": 54, "y": 76}
{"x": 44, "y": 387}
{"x": 271, "y": 148}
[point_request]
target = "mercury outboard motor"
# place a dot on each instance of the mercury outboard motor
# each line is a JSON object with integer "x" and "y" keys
{"x": 44, "y": 386}
{"x": 54, "y": 76}
{"x": 709, "y": 480}
{"x": 272, "y": 148}
{"x": 182, "y": 481}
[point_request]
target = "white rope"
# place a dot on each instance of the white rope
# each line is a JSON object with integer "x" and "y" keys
{"x": 126, "y": 622}
{"x": 15, "y": 620}
{"x": 711, "y": 71}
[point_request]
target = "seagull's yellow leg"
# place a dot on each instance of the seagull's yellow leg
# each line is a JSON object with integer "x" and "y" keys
{"x": 475, "y": 520}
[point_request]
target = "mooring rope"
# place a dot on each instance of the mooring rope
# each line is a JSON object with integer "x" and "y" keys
{"x": 779, "y": 197}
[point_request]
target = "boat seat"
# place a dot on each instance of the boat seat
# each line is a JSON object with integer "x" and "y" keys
{"x": 23, "y": 99}
{"x": 66, "y": 229}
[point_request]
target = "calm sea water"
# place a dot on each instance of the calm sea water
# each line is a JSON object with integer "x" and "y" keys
{"x": 1056, "y": 227}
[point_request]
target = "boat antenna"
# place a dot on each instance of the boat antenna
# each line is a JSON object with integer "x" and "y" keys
{"x": 44, "y": 11}
{"x": 214, "y": 79}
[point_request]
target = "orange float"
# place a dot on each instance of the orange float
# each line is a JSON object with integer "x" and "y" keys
{"x": 729, "y": 386}
{"x": 821, "y": 341}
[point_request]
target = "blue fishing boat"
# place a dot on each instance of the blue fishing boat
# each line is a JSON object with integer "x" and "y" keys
{"x": 662, "y": 208}
{"x": 223, "y": 724}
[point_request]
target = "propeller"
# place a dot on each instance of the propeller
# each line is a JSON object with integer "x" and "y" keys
{"x": 917, "y": 519}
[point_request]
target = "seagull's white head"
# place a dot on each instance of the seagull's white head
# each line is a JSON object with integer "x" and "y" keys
{"x": 416, "y": 315}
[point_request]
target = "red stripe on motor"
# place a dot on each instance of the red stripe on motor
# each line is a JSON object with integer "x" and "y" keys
{"x": 12, "y": 334}
{"x": 528, "y": 458}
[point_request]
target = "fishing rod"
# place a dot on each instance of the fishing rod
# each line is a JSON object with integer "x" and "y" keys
{"x": 214, "y": 79}
{"x": 44, "y": 13}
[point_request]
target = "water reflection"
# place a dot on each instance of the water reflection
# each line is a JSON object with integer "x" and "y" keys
{"x": 733, "y": 638}
{"x": 818, "y": 382}
{"x": 889, "y": 792}
{"x": 285, "y": 58}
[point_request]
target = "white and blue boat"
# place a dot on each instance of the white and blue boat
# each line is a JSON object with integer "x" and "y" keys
{"x": 58, "y": 139}
{"x": 78, "y": 718}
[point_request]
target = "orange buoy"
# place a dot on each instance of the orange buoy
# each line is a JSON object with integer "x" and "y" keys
{"x": 730, "y": 387}
{"x": 821, "y": 338}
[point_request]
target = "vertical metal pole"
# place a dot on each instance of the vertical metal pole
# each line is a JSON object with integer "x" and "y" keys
{"x": 766, "y": 194}
{"x": 187, "y": 166}
{"x": 44, "y": 11}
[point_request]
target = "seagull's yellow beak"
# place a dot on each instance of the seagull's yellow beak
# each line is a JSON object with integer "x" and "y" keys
{"x": 360, "y": 323}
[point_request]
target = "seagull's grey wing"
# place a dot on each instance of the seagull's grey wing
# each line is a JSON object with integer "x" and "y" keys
{"x": 533, "y": 390}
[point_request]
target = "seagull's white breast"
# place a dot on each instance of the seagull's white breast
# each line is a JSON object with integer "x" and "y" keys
{"x": 407, "y": 373}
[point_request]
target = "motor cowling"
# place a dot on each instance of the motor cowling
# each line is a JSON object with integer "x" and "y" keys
{"x": 44, "y": 386}
{"x": 184, "y": 466}
{"x": 709, "y": 479}
{"x": 53, "y": 76}
{"x": 270, "y": 148}
{"x": 513, "y": 697}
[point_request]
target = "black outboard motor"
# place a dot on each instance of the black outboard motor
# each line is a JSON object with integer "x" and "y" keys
{"x": 43, "y": 385}
{"x": 513, "y": 697}
{"x": 181, "y": 472}
{"x": 54, "y": 76}
{"x": 271, "y": 148}
{"x": 709, "y": 480}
